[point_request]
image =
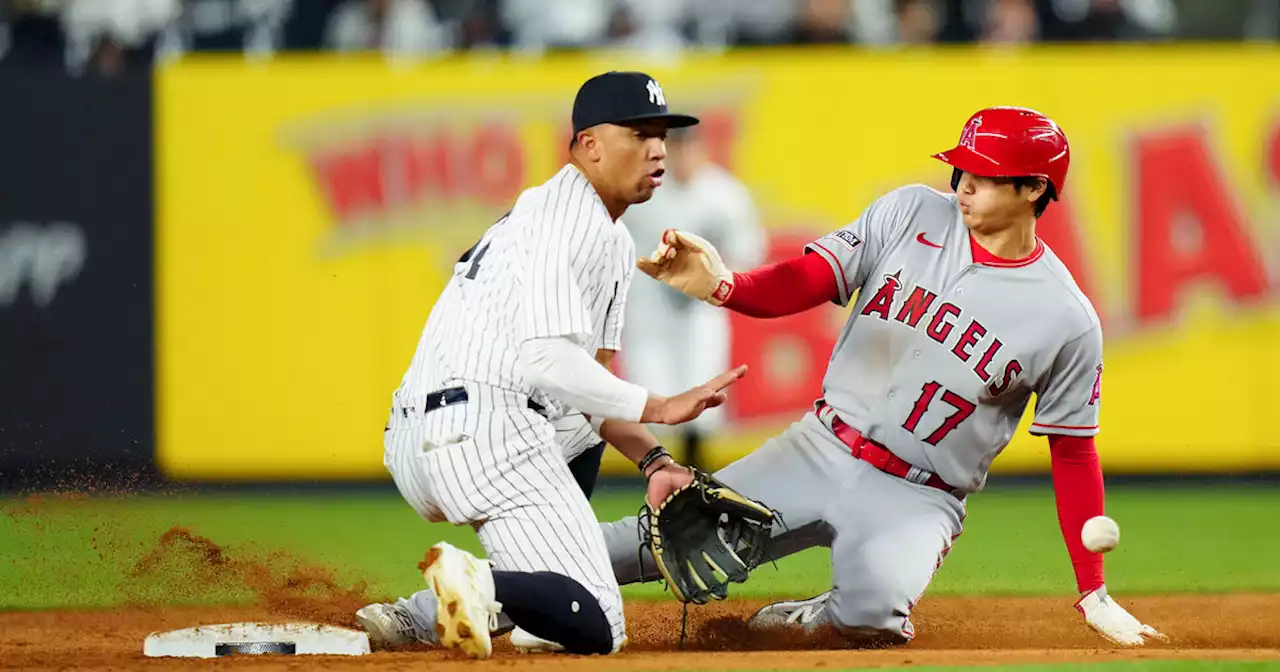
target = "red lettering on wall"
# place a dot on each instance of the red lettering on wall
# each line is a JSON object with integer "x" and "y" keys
{"x": 351, "y": 180}
{"x": 787, "y": 356}
{"x": 1273, "y": 153}
{"x": 378, "y": 173}
{"x": 1189, "y": 230}
{"x": 719, "y": 129}
{"x": 497, "y": 163}
{"x": 429, "y": 171}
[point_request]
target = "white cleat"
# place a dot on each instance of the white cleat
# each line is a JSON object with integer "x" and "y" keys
{"x": 387, "y": 624}
{"x": 468, "y": 610}
{"x": 530, "y": 643}
{"x": 799, "y": 613}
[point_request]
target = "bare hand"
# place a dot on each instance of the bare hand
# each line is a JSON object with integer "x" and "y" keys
{"x": 665, "y": 481}
{"x": 690, "y": 404}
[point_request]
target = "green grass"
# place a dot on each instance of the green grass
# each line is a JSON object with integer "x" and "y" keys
{"x": 79, "y": 553}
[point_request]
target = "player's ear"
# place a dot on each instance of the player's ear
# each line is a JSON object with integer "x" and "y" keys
{"x": 590, "y": 144}
{"x": 1037, "y": 189}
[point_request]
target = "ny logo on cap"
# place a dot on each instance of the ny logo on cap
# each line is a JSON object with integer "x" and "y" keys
{"x": 655, "y": 94}
{"x": 970, "y": 133}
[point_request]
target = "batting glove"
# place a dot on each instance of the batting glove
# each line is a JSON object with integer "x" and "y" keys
{"x": 1113, "y": 622}
{"x": 690, "y": 264}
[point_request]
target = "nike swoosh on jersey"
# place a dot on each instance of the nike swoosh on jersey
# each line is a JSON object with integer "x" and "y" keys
{"x": 921, "y": 239}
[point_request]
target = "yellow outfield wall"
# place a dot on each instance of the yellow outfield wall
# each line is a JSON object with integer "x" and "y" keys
{"x": 310, "y": 209}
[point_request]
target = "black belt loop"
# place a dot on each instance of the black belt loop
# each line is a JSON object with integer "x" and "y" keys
{"x": 445, "y": 397}
{"x": 451, "y": 396}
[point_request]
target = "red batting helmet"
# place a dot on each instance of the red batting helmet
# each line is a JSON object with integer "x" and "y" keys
{"x": 1011, "y": 142}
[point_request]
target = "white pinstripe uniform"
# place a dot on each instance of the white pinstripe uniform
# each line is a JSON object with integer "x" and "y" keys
{"x": 556, "y": 266}
{"x": 574, "y": 434}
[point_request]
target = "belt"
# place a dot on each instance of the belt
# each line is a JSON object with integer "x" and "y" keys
{"x": 881, "y": 457}
{"x": 451, "y": 396}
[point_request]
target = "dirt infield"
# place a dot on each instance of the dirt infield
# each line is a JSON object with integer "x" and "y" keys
{"x": 952, "y": 631}
{"x": 182, "y": 567}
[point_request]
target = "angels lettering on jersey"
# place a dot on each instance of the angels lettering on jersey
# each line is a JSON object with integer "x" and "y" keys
{"x": 917, "y": 307}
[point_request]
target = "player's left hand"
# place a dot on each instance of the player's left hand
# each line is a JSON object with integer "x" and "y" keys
{"x": 705, "y": 535}
{"x": 1113, "y": 622}
{"x": 664, "y": 481}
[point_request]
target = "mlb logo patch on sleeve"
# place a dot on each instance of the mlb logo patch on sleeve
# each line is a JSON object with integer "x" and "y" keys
{"x": 847, "y": 237}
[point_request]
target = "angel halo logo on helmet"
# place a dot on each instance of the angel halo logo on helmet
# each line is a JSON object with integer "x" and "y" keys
{"x": 1012, "y": 142}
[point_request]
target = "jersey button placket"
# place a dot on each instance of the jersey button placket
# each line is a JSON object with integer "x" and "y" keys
{"x": 954, "y": 288}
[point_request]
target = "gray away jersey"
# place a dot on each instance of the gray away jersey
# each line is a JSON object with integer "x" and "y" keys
{"x": 941, "y": 354}
{"x": 556, "y": 265}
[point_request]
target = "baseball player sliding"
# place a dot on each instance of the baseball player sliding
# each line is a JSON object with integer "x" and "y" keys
{"x": 961, "y": 314}
{"x": 519, "y": 334}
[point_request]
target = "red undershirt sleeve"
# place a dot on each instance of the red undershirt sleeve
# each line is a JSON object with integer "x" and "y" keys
{"x": 1079, "y": 492}
{"x": 785, "y": 288}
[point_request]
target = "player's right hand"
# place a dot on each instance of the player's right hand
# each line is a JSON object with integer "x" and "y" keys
{"x": 690, "y": 264}
{"x": 1112, "y": 620}
{"x": 688, "y": 405}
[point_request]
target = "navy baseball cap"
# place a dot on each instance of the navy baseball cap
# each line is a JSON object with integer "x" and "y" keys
{"x": 620, "y": 97}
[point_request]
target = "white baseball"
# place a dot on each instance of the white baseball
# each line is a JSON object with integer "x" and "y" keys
{"x": 1100, "y": 534}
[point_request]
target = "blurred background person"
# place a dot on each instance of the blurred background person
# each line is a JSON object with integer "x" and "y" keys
{"x": 655, "y": 26}
{"x": 758, "y": 23}
{"x": 918, "y": 21}
{"x": 1010, "y": 22}
{"x": 1113, "y": 20}
{"x": 254, "y": 27}
{"x": 400, "y": 27}
{"x": 671, "y": 339}
{"x": 822, "y": 22}
{"x": 539, "y": 26}
{"x": 105, "y": 36}
{"x": 478, "y": 27}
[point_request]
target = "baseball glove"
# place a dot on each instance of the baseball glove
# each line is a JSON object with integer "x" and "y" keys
{"x": 704, "y": 536}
